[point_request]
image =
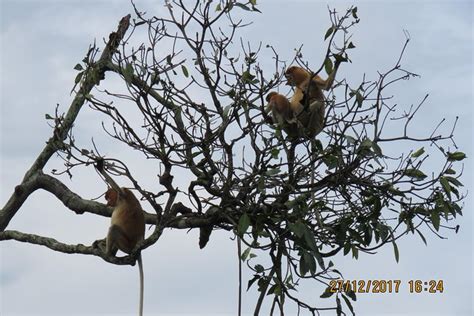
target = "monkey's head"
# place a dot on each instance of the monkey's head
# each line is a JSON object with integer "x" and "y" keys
{"x": 270, "y": 95}
{"x": 296, "y": 76}
{"x": 111, "y": 197}
{"x": 278, "y": 102}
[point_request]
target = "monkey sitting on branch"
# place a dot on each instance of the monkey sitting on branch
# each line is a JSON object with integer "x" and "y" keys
{"x": 127, "y": 226}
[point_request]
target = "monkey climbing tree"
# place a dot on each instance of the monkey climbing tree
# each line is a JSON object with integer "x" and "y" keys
{"x": 193, "y": 100}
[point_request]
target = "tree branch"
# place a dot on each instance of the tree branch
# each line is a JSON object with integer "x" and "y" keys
{"x": 23, "y": 190}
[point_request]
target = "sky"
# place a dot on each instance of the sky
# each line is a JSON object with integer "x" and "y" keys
{"x": 41, "y": 41}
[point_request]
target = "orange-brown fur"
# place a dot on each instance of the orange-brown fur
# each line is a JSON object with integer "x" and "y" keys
{"x": 127, "y": 227}
{"x": 283, "y": 113}
{"x": 309, "y": 95}
{"x": 128, "y": 221}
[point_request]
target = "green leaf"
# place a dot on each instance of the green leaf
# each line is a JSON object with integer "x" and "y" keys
{"x": 297, "y": 229}
{"x": 450, "y": 171}
{"x": 303, "y": 266}
{"x": 327, "y": 293}
{"x": 395, "y": 251}
{"x": 78, "y": 67}
{"x": 319, "y": 259}
{"x": 259, "y": 268}
{"x": 347, "y": 248}
{"x": 365, "y": 148}
{"x": 309, "y": 238}
{"x": 367, "y": 235}
{"x": 456, "y": 156}
{"x": 253, "y": 2}
{"x": 78, "y": 77}
{"x": 329, "y": 32}
{"x": 226, "y": 111}
{"x": 354, "y": 13}
{"x": 218, "y": 8}
{"x": 418, "y": 153}
{"x": 331, "y": 161}
{"x": 275, "y": 153}
{"x": 445, "y": 184}
{"x": 317, "y": 146}
{"x": 231, "y": 93}
{"x": 454, "y": 181}
{"x": 377, "y": 149}
{"x": 328, "y": 66}
{"x": 245, "y": 254}
{"x": 244, "y": 223}
{"x": 185, "y": 71}
{"x": 355, "y": 253}
{"x": 252, "y": 281}
{"x": 351, "y": 45}
{"x": 415, "y": 173}
{"x": 311, "y": 263}
{"x": 395, "y": 191}
{"x": 384, "y": 231}
{"x": 48, "y": 117}
{"x": 272, "y": 289}
{"x": 366, "y": 143}
{"x": 242, "y": 6}
{"x": 435, "y": 219}
{"x": 350, "y": 292}
{"x": 422, "y": 237}
{"x": 359, "y": 98}
{"x": 348, "y": 303}
{"x": 340, "y": 58}
{"x": 247, "y": 77}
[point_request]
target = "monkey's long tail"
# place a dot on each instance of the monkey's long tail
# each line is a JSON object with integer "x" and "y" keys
{"x": 140, "y": 269}
{"x": 239, "y": 252}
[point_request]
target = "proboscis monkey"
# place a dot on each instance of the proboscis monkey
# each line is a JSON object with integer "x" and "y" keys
{"x": 309, "y": 96}
{"x": 127, "y": 226}
{"x": 283, "y": 113}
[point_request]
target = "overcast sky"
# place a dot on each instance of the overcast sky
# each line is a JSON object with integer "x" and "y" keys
{"x": 41, "y": 41}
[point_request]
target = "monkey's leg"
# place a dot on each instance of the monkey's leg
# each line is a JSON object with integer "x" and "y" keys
{"x": 316, "y": 121}
{"x": 116, "y": 239}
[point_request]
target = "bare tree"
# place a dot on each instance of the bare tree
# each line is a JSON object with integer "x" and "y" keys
{"x": 199, "y": 108}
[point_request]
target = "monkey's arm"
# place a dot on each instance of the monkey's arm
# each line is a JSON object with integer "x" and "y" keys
{"x": 327, "y": 84}
{"x": 100, "y": 167}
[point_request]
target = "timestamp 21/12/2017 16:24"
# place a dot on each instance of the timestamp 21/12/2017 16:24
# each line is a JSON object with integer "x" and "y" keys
{"x": 385, "y": 286}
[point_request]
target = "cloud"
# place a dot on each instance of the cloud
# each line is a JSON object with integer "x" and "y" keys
{"x": 42, "y": 41}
